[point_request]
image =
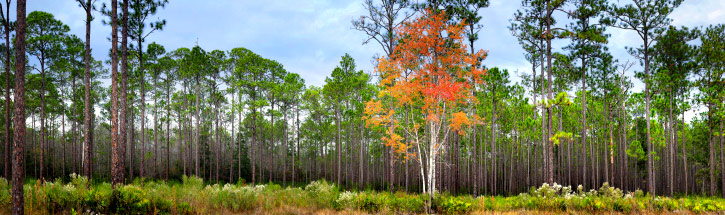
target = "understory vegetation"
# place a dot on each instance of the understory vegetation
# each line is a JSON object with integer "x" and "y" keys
{"x": 193, "y": 196}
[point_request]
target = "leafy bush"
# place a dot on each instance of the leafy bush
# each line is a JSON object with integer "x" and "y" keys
{"x": 323, "y": 194}
{"x": 625, "y": 205}
{"x": 79, "y": 181}
{"x": 411, "y": 204}
{"x": 370, "y": 203}
{"x": 454, "y": 206}
{"x": 235, "y": 198}
{"x": 128, "y": 200}
{"x": 59, "y": 196}
{"x": 184, "y": 209}
{"x": 97, "y": 199}
{"x": 610, "y": 192}
{"x": 347, "y": 200}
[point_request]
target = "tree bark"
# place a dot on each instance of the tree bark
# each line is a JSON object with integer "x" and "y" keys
{"x": 196, "y": 137}
{"x": 168, "y": 123}
{"x": 550, "y": 145}
{"x": 155, "y": 129}
{"x": 42, "y": 116}
{"x": 87, "y": 106}
{"x": 115, "y": 172}
{"x": 18, "y": 171}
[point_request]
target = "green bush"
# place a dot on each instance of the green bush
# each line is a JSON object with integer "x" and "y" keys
{"x": 128, "y": 200}
{"x": 235, "y": 198}
{"x": 131, "y": 199}
{"x": 185, "y": 209}
{"x": 625, "y": 205}
{"x": 323, "y": 194}
{"x": 412, "y": 204}
{"x": 59, "y": 197}
{"x": 610, "y": 192}
{"x": 97, "y": 199}
{"x": 454, "y": 206}
{"x": 370, "y": 203}
{"x": 79, "y": 181}
{"x": 347, "y": 200}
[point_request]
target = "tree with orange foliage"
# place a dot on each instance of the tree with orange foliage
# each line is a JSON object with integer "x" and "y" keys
{"x": 432, "y": 75}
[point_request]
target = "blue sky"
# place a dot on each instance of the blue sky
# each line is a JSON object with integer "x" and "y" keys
{"x": 309, "y": 37}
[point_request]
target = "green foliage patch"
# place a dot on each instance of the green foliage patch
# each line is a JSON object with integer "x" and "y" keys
{"x": 193, "y": 196}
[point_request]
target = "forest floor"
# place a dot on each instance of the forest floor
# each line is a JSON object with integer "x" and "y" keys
{"x": 192, "y": 196}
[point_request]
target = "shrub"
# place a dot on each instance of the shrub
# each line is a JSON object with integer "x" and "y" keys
{"x": 346, "y": 200}
{"x": 184, "y": 209}
{"x": 412, "y": 204}
{"x": 370, "y": 203}
{"x": 79, "y": 181}
{"x": 322, "y": 193}
{"x": 454, "y": 206}
{"x": 234, "y": 198}
{"x": 97, "y": 199}
{"x": 131, "y": 199}
{"x": 623, "y": 205}
{"x": 59, "y": 196}
{"x": 610, "y": 192}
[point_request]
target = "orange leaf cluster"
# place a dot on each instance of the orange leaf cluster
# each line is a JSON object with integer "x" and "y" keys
{"x": 439, "y": 68}
{"x": 430, "y": 69}
{"x": 458, "y": 120}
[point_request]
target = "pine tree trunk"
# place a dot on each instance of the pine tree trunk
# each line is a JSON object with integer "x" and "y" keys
{"x": 168, "y": 123}
{"x": 87, "y": 107}
{"x": 155, "y": 129}
{"x": 42, "y": 117}
{"x": 18, "y": 170}
{"x": 284, "y": 150}
{"x": 196, "y": 136}
{"x": 115, "y": 172}
{"x": 123, "y": 96}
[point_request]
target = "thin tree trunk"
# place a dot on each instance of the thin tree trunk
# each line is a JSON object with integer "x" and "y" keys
{"x": 196, "y": 136}
{"x": 42, "y": 117}
{"x": 168, "y": 122}
{"x": 284, "y": 151}
{"x": 722, "y": 159}
{"x": 155, "y": 129}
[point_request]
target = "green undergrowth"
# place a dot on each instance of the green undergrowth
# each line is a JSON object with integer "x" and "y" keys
{"x": 193, "y": 196}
